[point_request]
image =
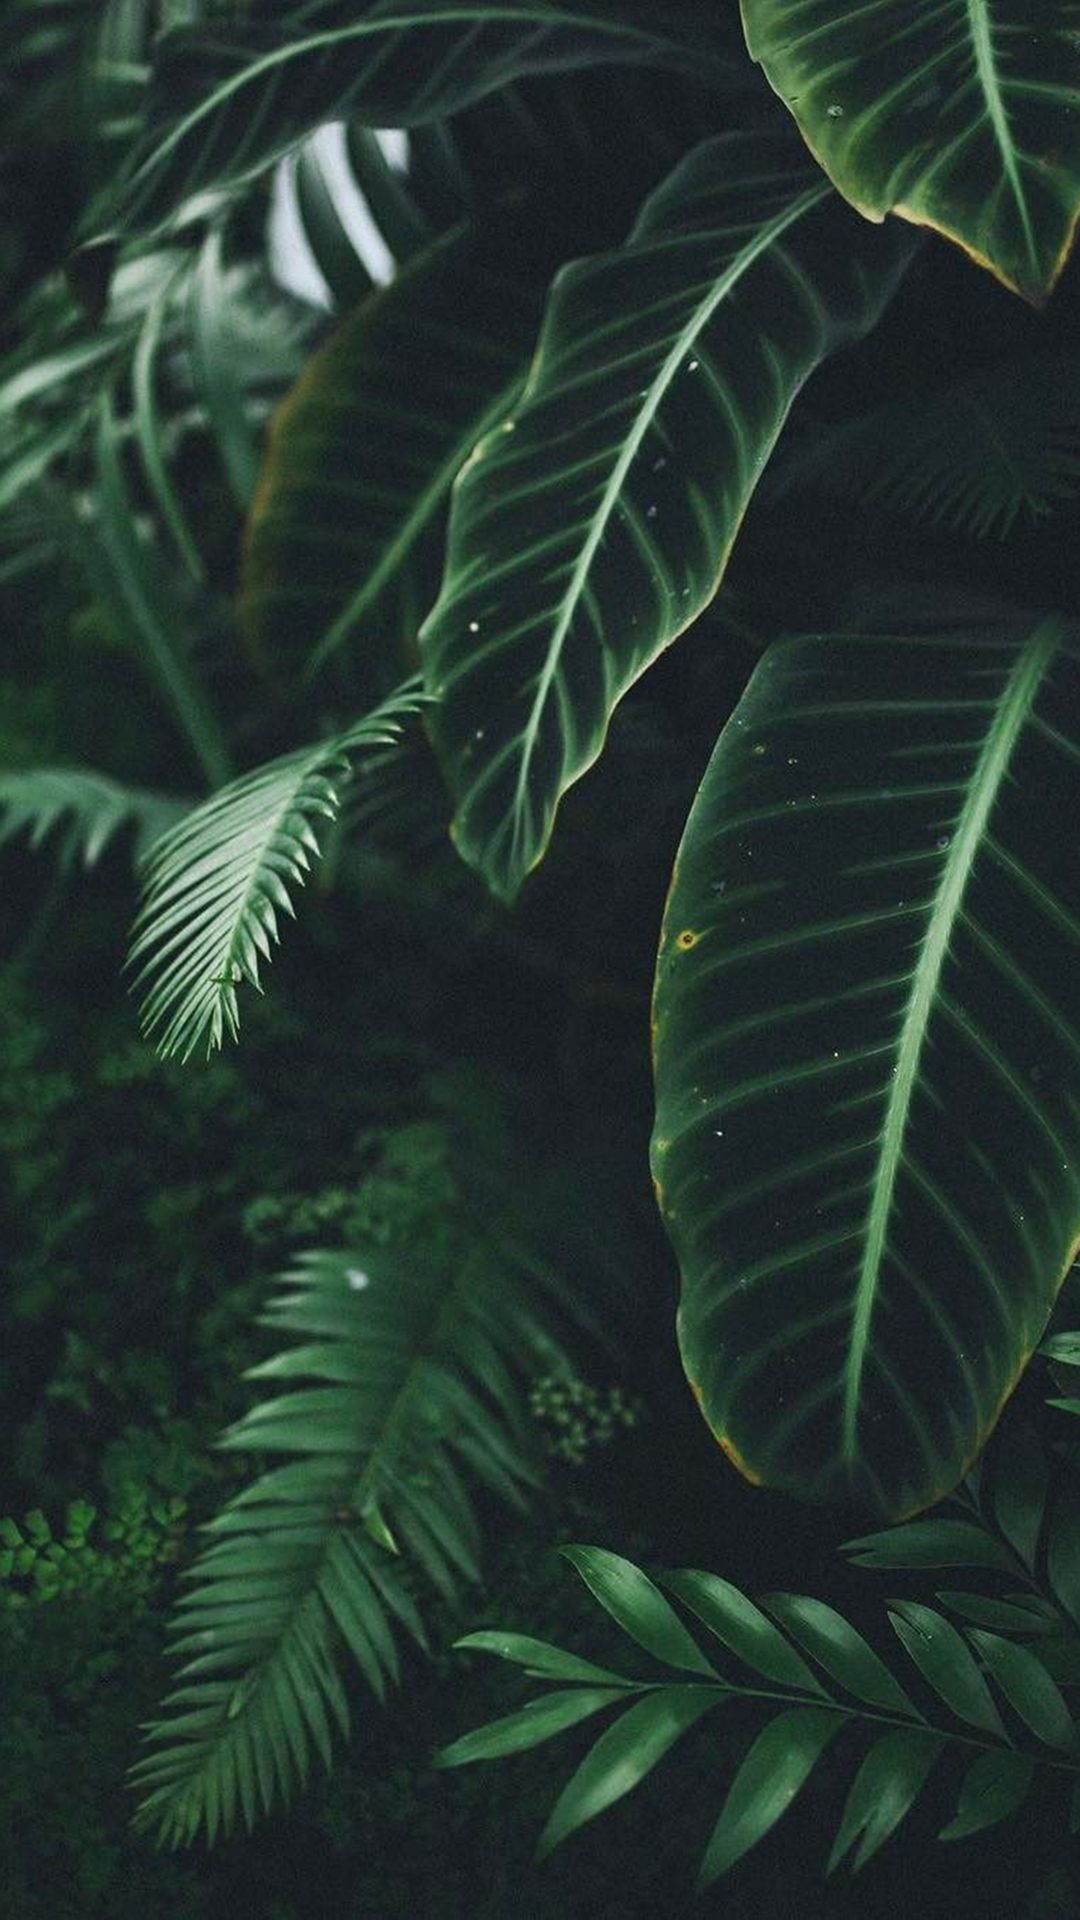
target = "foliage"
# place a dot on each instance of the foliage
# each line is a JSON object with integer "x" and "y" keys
{"x": 274, "y": 505}
{"x": 125, "y": 1553}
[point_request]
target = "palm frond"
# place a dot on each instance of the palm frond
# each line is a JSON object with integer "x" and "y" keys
{"x": 405, "y": 1387}
{"x": 976, "y": 456}
{"x": 85, "y": 809}
{"x": 815, "y": 1676}
{"x": 217, "y": 882}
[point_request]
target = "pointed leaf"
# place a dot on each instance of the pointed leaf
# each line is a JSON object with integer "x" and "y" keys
{"x": 1013, "y": 1615}
{"x": 540, "y": 1720}
{"x": 594, "y": 525}
{"x": 538, "y": 1657}
{"x": 930, "y": 1543}
{"x": 629, "y": 1749}
{"x": 843, "y": 1653}
{"x": 995, "y": 1785}
{"x": 867, "y": 1029}
{"x": 945, "y": 1664}
{"x": 1062, "y": 1347}
{"x": 1028, "y": 1688}
{"x": 742, "y": 1626}
{"x": 638, "y": 1606}
{"x": 773, "y": 1772}
{"x": 1020, "y": 1486}
{"x": 883, "y": 1793}
{"x": 964, "y": 117}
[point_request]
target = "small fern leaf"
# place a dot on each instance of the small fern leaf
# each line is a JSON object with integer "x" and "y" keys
{"x": 216, "y": 884}
{"x": 84, "y": 809}
{"x": 395, "y": 1405}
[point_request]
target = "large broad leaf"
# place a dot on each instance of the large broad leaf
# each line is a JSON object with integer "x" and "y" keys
{"x": 964, "y": 116}
{"x": 343, "y": 546}
{"x": 868, "y": 1055}
{"x": 227, "y": 99}
{"x": 595, "y": 524}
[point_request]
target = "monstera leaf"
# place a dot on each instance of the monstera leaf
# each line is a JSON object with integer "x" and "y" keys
{"x": 964, "y": 116}
{"x": 867, "y": 1033}
{"x": 594, "y": 524}
{"x": 344, "y": 542}
{"x": 227, "y": 98}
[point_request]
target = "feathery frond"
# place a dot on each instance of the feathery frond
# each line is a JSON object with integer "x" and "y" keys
{"x": 816, "y": 1676}
{"x": 87, "y": 808}
{"x": 977, "y": 456}
{"x": 216, "y": 883}
{"x": 405, "y": 1385}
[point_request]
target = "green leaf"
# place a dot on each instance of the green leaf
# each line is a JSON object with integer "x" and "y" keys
{"x": 1014, "y": 1615}
{"x": 1063, "y": 1555}
{"x": 628, "y": 1750}
{"x": 964, "y": 117}
{"x": 742, "y": 1627}
{"x": 930, "y": 1543}
{"x": 995, "y": 1785}
{"x": 227, "y": 99}
{"x": 843, "y": 1653}
{"x": 1020, "y": 1483}
{"x": 345, "y": 539}
{"x": 538, "y": 1657}
{"x": 215, "y": 359}
{"x": 946, "y": 1664}
{"x": 776, "y": 1768}
{"x": 638, "y": 1606}
{"x": 399, "y": 1371}
{"x": 883, "y": 1793}
{"x": 86, "y": 810}
{"x": 594, "y": 525}
{"x": 540, "y": 1720}
{"x": 867, "y": 1026}
{"x": 215, "y": 884}
{"x": 1028, "y": 1689}
{"x": 1062, "y": 1347}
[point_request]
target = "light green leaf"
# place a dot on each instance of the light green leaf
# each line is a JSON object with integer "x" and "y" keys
{"x": 867, "y": 1022}
{"x": 742, "y": 1627}
{"x": 595, "y": 523}
{"x": 995, "y": 1785}
{"x": 1028, "y": 1688}
{"x": 883, "y": 1793}
{"x": 1062, "y": 1347}
{"x": 776, "y": 1768}
{"x": 216, "y": 883}
{"x": 963, "y": 117}
{"x": 629, "y": 1749}
{"x": 945, "y": 1664}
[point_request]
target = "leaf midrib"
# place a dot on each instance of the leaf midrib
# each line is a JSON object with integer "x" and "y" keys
{"x": 991, "y": 768}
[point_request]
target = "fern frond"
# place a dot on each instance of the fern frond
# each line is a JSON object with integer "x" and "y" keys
{"x": 974, "y": 457}
{"x": 217, "y": 882}
{"x": 814, "y": 1675}
{"x": 87, "y": 809}
{"x": 403, "y": 1388}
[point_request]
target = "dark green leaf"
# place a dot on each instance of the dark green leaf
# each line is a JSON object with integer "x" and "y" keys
{"x": 995, "y": 1785}
{"x": 540, "y": 1720}
{"x": 946, "y": 1664}
{"x": 843, "y": 1653}
{"x": 536, "y": 1656}
{"x": 930, "y": 1543}
{"x": 773, "y": 1772}
{"x": 742, "y": 1627}
{"x": 624, "y": 1754}
{"x": 639, "y": 1607}
{"x": 1012, "y": 1615}
{"x": 1028, "y": 1689}
{"x": 883, "y": 1793}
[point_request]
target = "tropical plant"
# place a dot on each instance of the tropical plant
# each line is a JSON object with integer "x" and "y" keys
{"x": 506, "y": 504}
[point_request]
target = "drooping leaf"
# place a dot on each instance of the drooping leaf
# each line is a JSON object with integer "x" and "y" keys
{"x": 776, "y": 1768}
{"x": 995, "y": 1785}
{"x": 227, "y": 100}
{"x": 1028, "y": 1688}
{"x": 345, "y": 539}
{"x": 216, "y": 883}
{"x": 883, "y": 1792}
{"x": 401, "y": 1371}
{"x": 946, "y": 1664}
{"x": 963, "y": 117}
{"x": 85, "y": 809}
{"x": 639, "y": 1607}
{"x": 592, "y": 526}
{"x": 871, "y": 1170}
{"x": 624, "y": 1754}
